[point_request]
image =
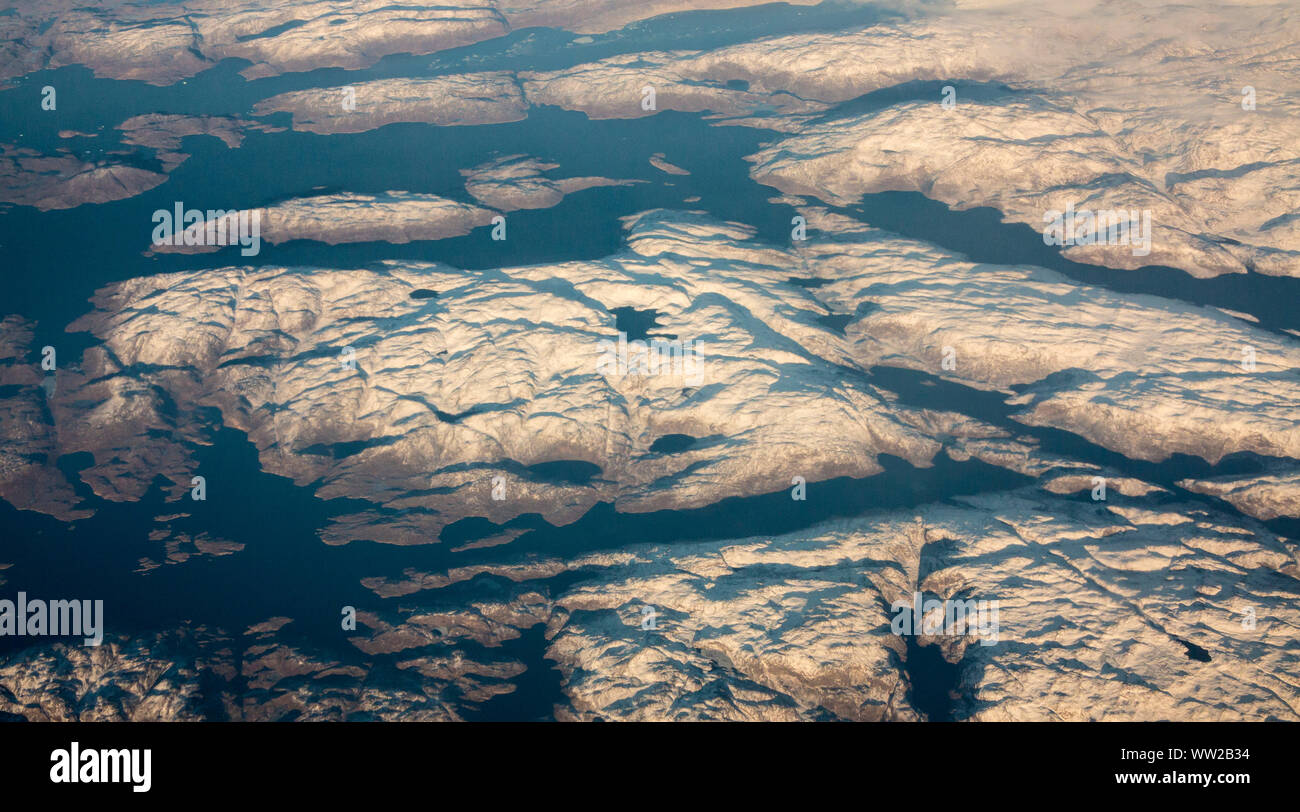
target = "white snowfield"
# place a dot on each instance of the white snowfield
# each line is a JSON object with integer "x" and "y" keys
{"x": 1092, "y": 606}
{"x": 422, "y": 387}
{"x": 1266, "y": 496}
{"x": 1141, "y": 375}
{"x": 463, "y": 99}
{"x": 1199, "y": 132}
{"x": 1152, "y": 446}
{"x": 1115, "y": 116}
{"x": 498, "y": 372}
{"x": 516, "y": 182}
{"x": 165, "y": 43}
{"x": 1103, "y": 111}
{"x": 346, "y": 382}
{"x": 1096, "y": 608}
{"x": 393, "y": 217}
